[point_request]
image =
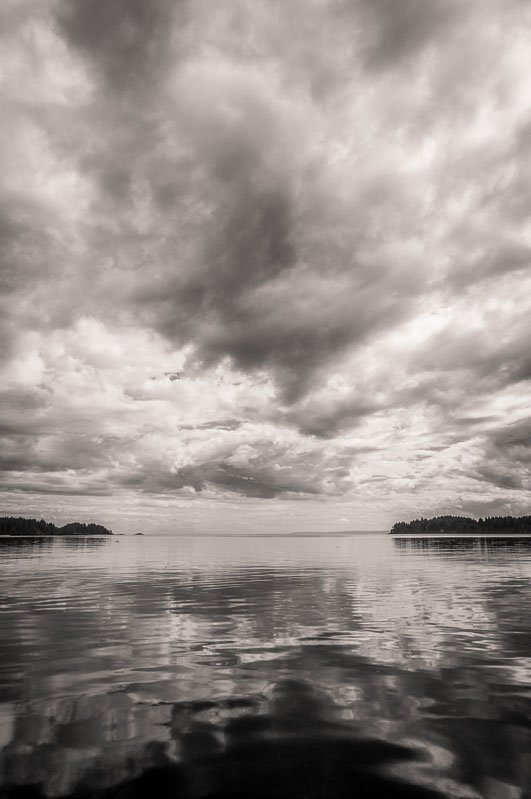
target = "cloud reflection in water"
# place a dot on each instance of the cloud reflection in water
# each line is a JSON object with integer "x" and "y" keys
{"x": 281, "y": 667}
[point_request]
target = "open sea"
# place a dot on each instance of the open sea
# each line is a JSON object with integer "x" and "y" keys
{"x": 307, "y": 666}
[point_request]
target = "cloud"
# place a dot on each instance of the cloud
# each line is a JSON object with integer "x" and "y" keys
{"x": 401, "y": 29}
{"x": 266, "y": 252}
{"x": 219, "y": 188}
{"x": 126, "y": 41}
{"x": 506, "y": 462}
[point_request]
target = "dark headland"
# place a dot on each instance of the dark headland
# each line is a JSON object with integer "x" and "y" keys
{"x": 10, "y": 525}
{"x": 461, "y": 525}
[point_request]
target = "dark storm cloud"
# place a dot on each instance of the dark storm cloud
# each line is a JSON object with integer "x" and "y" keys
{"x": 250, "y": 246}
{"x": 23, "y": 400}
{"x": 514, "y": 439}
{"x": 45, "y": 451}
{"x": 501, "y": 476}
{"x": 258, "y": 293}
{"x": 396, "y": 30}
{"x": 232, "y": 248}
{"x": 248, "y": 482}
{"x": 505, "y": 456}
{"x": 255, "y": 467}
{"x": 215, "y": 474}
{"x": 127, "y": 40}
{"x": 333, "y": 417}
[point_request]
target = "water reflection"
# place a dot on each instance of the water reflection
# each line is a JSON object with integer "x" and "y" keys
{"x": 513, "y": 545}
{"x": 36, "y": 545}
{"x": 291, "y": 669}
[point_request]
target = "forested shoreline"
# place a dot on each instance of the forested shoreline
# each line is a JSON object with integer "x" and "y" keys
{"x": 11, "y": 525}
{"x": 462, "y": 525}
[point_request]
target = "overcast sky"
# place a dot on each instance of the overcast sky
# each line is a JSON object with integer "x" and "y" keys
{"x": 265, "y": 263}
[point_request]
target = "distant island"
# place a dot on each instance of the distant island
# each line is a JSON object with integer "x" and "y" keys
{"x": 10, "y": 525}
{"x": 461, "y": 525}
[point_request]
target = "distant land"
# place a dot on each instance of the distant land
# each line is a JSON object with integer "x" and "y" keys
{"x": 461, "y": 525}
{"x": 326, "y": 533}
{"x": 10, "y": 525}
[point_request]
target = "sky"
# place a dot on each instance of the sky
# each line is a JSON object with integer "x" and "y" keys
{"x": 265, "y": 264}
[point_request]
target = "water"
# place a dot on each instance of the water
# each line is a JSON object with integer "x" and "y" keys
{"x": 344, "y": 666}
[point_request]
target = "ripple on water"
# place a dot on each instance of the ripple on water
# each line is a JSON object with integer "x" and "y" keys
{"x": 286, "y": 667}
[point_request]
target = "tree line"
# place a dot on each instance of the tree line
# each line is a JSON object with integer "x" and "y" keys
{"x": 461, "y": 524}
{"x": 11, "y": 525}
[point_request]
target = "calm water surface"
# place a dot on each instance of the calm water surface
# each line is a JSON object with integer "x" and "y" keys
{"x": 360, "y": 666}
